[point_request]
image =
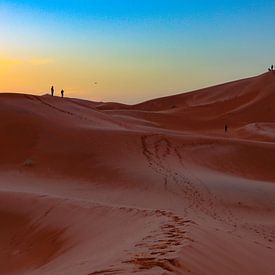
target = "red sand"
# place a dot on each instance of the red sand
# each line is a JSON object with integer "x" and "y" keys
{"x": 154, "y": 188}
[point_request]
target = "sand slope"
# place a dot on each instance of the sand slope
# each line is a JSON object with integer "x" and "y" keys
{"x": 153, "y": 188}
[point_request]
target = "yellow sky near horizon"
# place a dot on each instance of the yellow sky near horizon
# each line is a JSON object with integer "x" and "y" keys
{"x": 134, "y": 79}
{"x": 37, "y": 74}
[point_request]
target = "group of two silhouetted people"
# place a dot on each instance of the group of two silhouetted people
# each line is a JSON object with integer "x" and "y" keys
{"x": 52, "y": 92}
{"x": 271, "y": 68}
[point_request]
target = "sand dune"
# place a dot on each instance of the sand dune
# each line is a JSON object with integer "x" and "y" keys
{"x": 153, "y": 188}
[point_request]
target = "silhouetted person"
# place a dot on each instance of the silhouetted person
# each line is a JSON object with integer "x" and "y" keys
{"x": 272, "y": 67}
{"x": 225, "y": 128}
{"x": 52, "y": 90}
{"x": 62, "y": 93}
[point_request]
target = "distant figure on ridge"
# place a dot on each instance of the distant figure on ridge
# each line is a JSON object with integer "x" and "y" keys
{"x": 272, "y": 67}
{"x": 225, "y": 128}
{"x": 62, "y": 93}
{"x": 52, "y": 90}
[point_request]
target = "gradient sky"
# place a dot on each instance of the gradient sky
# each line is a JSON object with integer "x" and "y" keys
{"x": 134, "y": 49}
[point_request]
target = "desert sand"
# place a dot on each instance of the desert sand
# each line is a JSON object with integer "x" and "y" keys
{"x": 153, "y": 188}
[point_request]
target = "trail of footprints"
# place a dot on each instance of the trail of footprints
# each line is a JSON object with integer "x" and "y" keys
{"x": 166, "y": 160}
{"x": 158, "y": 249}
{"x": 161, "y": 156}
{"x": 159, "y": 151}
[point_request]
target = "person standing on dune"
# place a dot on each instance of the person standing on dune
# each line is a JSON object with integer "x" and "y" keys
{"x": 52, "y": 90}
{"x": 62, "y": 93}
{"x": 272, "y": 67}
